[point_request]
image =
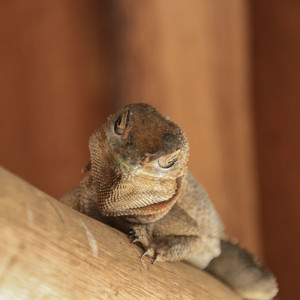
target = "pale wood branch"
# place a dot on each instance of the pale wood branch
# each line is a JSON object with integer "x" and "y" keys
{"x": 49, "y": 251}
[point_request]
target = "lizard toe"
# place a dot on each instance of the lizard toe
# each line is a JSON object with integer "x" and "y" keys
{"x": 135, "y": 239}
{"x": 145, "y": 253}
{"x": 149, "y": 252}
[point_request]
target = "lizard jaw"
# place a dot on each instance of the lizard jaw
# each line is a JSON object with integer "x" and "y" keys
{"x": 148, "y": 213}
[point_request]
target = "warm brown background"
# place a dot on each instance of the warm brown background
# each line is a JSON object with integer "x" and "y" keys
{"x": 226, "y": 71}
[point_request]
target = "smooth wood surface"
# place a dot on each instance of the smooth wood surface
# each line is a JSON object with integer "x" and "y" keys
{"x": 276, "y": 83}
{"x": 55, "y": 87}
{"x": 49, "y": 251}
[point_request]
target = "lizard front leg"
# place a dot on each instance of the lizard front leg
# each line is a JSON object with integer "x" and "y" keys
{"x": 175, "y": 247}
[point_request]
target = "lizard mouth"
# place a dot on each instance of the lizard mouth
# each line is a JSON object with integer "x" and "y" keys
{"x": 134, "y": 204}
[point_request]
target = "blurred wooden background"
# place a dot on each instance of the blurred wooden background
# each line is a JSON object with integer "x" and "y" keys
{"x": 226, "y": 71}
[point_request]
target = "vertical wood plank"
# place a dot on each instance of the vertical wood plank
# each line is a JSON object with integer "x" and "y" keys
{"x": 53, "y": 74}
{"x": 277, "y": 112}
{"x": 190, "y": 60}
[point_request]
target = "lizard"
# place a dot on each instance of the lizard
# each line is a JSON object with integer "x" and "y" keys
{"x": 138, "y": 176}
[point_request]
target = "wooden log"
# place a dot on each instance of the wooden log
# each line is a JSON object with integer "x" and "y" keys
{"x": 49, "y": 251}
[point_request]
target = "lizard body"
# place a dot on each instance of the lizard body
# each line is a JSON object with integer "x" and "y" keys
{"x": 138, "y": 175}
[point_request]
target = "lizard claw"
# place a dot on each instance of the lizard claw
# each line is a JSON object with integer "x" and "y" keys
{"x": 145, "y": 253}
{"x": 131, "y": 232}
{"x": 155, "y": 259}
{"x": 135, "y": 239}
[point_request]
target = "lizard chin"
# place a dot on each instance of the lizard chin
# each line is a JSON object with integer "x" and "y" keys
{"x": 141, "y": 214}
{"x": 136, "y": 196}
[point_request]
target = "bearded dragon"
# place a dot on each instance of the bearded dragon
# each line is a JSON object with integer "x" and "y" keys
{"x": 138, "y": 175}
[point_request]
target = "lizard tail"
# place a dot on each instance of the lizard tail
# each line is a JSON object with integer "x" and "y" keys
{"x": 243, "y": 272}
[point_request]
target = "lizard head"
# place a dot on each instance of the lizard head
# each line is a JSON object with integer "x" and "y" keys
{"x": 138, "y": 162}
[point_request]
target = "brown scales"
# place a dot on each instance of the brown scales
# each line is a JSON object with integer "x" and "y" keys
{"x": 138, "y": 174}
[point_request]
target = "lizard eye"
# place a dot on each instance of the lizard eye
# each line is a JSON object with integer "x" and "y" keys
{"x": 121, "y": 124}
{"x": 168, "y": 160}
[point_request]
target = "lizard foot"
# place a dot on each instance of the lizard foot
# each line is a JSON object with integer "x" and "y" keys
{"x": 150, "y": 252}
{"x": 139, "y": 234}
{"x": 171, "y": 248}
{"x": 132, "y": 234}
{"x": 157, "y": 251}
{"x": 164, "y": 248}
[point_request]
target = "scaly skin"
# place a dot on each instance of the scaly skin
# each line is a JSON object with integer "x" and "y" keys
{"x": 138, "y": 174}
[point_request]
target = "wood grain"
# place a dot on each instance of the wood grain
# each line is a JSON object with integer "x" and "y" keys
{"x": 190, "y": 59}
{"x": 49, "y": 251}
{"x": 276, "y": 82}
{"x": 54, "y": 80}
